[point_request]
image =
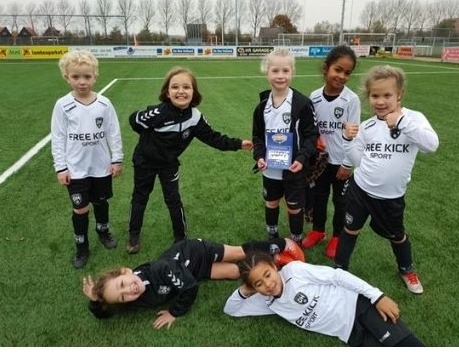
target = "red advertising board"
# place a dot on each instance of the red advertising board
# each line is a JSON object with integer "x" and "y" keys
{"x": 450, "y": 54}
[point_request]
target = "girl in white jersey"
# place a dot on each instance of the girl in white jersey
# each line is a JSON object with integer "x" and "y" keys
{"x": 319, "y": 299}
{"x": 334, "y": 104}
{"x": 87, "y": 149}
{"x": 383, "y": 150}
{"x": 283, "y": 132}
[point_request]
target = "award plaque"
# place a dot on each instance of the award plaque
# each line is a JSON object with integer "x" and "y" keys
{"x": 279, "y": 149}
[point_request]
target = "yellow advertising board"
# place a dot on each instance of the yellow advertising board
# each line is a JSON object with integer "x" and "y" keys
{"x": 32, "y": 52}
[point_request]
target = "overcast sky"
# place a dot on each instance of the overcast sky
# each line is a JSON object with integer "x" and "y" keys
{"x": 315, "y": 11}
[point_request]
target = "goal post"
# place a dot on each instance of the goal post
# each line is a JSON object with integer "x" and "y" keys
{"x": 302, "y": 39}
{"x": 384, "y": 40}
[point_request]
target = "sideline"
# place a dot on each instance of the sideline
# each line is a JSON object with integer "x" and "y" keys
{"x": 35, "y": 149}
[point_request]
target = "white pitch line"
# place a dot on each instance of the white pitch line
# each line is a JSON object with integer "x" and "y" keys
{"x": 35, "y": 149}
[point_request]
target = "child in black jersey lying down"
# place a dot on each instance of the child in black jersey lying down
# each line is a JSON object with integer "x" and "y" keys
{"x": 176, "y": 276}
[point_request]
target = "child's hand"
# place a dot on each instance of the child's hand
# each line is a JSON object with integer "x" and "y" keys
{"x": 350, "y": 130}
{"x": 247, "y": 145}
{"x": 392, "y": 118}
{"x": 116, "y": 170}
{"x": 343, "y": 173}
{"x": 296, "y": 167}
{"x": 64, "y": 178}
{"x": 163, "y": 318}
{"x": 388, "y": 309}
{"x": 246, "y": 291}
{"x": 88, "y": 288}
{"x": 261, "y": 164}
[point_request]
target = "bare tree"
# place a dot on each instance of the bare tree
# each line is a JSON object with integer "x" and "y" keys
{"x": 223, "y": 10}
{"x": 412, "y": 15}
{"x": 185, "y": 14}
{"x": 166, "y": 13}
{"x": 147, "y": 12}
{"x": 14, "y": 11}
{"x": 85, "y": 10}
{"x": 256, "y": 12}
{"x": 396, "y": 9}
{"x": 437, "y": 13}
{"x": 369, "y": 15}
{"x": 272, "y": 8}
{"x": 31, "y": 11}
{"x": 204, "y": 11}
{"x": 65, "y": 12}
{"x": 47, "y": 9}
{"x": 383, "y": 13}
{"x": 103, "y": 8}
{"x": 292, "y": 9}
{"x": 451, "y": 9}
{"x": 423, "y": 17}
{"x": 127, "y": 9}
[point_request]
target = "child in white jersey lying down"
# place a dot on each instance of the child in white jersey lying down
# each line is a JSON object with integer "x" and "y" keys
{"x": 319, "y": 299}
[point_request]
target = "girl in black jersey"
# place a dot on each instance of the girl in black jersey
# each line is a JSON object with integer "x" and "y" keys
{"x": 176, "y": 275}
{"x": 165, "y": 131}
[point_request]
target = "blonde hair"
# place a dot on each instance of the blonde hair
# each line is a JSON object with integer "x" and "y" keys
{"x": 382, "y": 73}
{"x": 280, "y": 52}
{"x": 78, "y": 57}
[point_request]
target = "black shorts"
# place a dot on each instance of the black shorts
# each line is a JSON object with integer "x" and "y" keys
{"x": 386, "y": 214}
{"x": 370, "y": 329}
{"x": 292, "y": 190}
{"x": 89, "y": 190}
{"x": 198, "y": 255}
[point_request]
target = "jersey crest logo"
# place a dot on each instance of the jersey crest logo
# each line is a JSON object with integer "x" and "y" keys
{"x": 274, "y": 249}
{"x": 338, "y": 112}
{"x": 301, "y": 298}
{"x": 186, "y": 134}
{"x": 164, "y": 289}
{"x": 99, "y": 122}
{"x": 77, "y": 198}
{"x": 349, "y": 219}
{"x": 286, "y": 117}
{"x": 395, "y": 133}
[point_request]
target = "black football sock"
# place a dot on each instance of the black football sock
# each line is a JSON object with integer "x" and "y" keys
{"x": 402, "y": 252}
{"x": 296, "y": 222}
{"x": 101, "y": 215}
{"x": 80, "y": 227}
{"x": 344, "y": 251}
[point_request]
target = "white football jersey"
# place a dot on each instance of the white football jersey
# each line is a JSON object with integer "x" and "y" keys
{"x": 315, "y": 298}
{"x": 384, "y": 160}
{"x": 331, "y": 116}
{"x": 85, "y": 139}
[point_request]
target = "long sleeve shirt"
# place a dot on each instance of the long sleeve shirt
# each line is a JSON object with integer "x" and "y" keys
{"x": 315, "y": 298}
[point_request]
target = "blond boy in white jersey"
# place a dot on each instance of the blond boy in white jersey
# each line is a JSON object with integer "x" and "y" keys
{"x": 87, "y": 150}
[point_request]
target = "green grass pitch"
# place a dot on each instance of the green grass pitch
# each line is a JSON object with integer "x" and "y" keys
{"x": 41, "y": 301}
